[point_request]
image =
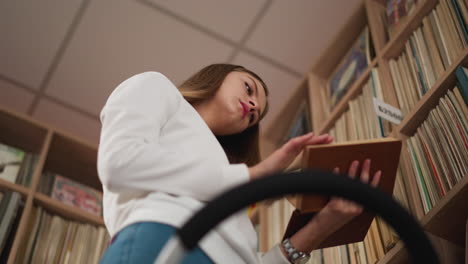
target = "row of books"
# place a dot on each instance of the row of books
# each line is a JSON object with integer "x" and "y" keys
{"x": 71, "y": 192}
{"x": 53, "y": 239}
{"x": 439, "y": 149}
{"x": 360, "y": 121}
{"x": 429, "y": 51}
{"x": 16, "y": 165}
{"x": 11, "y": 206}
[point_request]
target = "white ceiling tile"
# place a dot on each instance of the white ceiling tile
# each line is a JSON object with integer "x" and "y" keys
{"x": 15, "y": 98}
{"x": 295, "y": 32}
{"x": 130, "y": 38}
{"x": 31, "y": 33}
{"x": 280, "y": 84}
{"x": 230, "y": 19}
{"x": 69, "y": 121}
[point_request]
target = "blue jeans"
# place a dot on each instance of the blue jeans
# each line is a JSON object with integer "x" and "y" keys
{"x": 141, "y": 243}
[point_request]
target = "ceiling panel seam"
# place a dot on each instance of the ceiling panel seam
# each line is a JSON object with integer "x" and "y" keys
{"x": 221, "y": 38}
{"x": 261, "y": 13}
{"x": 58, "y": 56}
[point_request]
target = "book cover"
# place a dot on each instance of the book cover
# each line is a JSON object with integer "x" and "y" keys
{"x": 384, "y": 154}
{"x": 10, "y": 203}
{"x": 462, "y": 76}
{"x": 352, "y": 66}
{"x": 397, "y": 11}
{"x": 76, "y": 194}
{"x": 10, "y": 162}
{"x": 301, "y": 123}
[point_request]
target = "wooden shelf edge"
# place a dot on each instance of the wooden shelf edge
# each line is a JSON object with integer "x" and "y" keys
{"x": 23, "y": 117}
{"x": 67, "y": 210}
{"x": 420, "y": 111}
{"x": 14, "y": 187}
{"x": 343, "y": 103}
{"x": 448, "y": 214}
{"x": 396, "y": 255}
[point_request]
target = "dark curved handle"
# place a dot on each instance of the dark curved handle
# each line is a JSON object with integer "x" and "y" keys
{"x": 310, "y": 182}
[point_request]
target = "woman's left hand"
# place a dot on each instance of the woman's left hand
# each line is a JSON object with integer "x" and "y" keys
{"x": 284, "y": 156}
{"x": 341, "y": 210}
{"x": 335, "y": 214}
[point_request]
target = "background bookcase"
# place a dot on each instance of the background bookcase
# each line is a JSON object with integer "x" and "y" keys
{"x": 58, "y": 152}
{"x": 446, "y": 222}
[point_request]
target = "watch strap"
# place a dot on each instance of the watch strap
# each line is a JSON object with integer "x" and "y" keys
{"x": 293, "y": 254}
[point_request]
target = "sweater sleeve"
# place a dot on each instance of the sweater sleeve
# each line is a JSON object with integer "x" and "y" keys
{"x": 274, "y": 256}
{"x": 130, "y": 156}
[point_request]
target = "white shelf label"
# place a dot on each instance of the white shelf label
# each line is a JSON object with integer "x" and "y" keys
{"x": 387, "y": 111}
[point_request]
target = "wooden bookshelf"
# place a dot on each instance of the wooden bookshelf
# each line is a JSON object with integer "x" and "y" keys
{"x": 353, "y": 91}
{"x": 67, "y": 211}
{"x": 58, "y": 152}
{"x": 396, "y": 255}
{"x": 450, "y": 214}
{"x": 447, "y": 219}
{"x": 8, "y": 186}
{"x": 420, "y": 111}
{"x": 394, "y": 46}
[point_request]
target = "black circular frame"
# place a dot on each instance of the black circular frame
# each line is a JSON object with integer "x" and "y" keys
{"x": 310, "y": 182}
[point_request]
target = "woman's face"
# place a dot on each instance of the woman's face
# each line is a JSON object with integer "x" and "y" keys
{"x": 238, "y": 104}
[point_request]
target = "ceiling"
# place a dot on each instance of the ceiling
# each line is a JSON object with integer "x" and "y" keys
{"x": 60, "y": 60}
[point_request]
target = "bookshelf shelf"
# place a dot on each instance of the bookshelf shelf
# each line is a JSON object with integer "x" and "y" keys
{"x": 66, "y": 210}
{"x": 396, "y": 255}
{"x": 13, "y": 187}
{"x": 446, "y": 222}
{"x": 420, "y": 111}
{"x": 56, "y": 151}
{"x": 21, "y": 131}
{"x": 446, "y": 218}
{"x": 74, "y": 159}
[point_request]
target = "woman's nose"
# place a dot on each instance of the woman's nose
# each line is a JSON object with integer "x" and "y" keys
{"x": 253, "y": 105}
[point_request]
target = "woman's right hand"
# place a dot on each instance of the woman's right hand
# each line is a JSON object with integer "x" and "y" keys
{"x": 284, "y": 156}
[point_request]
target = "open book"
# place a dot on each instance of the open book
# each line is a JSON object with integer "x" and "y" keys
{"x": 384, "y": 154}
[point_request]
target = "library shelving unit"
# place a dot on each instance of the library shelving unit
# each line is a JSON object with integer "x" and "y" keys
{"x": 58, "y": 152}
{"x": 447, "y": 219}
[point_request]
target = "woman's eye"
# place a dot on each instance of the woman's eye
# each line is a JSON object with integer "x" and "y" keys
{"x": 252, "y": 117}
{"x": 249, "y": 90}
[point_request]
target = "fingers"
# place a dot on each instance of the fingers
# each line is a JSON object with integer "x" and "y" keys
{"x": 376, "y": 179}
{"x": 322, "y": 139}
{"x": 296, "y": 144}
{"x": 365, "y": 171}
{"x": 353, "y": 169}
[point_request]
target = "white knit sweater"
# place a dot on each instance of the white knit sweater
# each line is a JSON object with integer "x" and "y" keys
{"x": 158, "y": 161}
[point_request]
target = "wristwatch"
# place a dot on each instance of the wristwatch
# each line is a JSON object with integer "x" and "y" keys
{"x": 294, "y": 256}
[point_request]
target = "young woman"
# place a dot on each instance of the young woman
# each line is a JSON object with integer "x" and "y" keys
{"x": 166, "y": 151}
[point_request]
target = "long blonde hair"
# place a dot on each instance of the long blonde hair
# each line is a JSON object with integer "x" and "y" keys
{"x": 242, "y": 147}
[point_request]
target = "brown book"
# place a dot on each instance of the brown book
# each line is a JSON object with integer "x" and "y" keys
{"x": 384, "y": 154}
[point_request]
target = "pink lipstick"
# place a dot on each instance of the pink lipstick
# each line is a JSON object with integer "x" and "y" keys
{"x": 245, "y": 109}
